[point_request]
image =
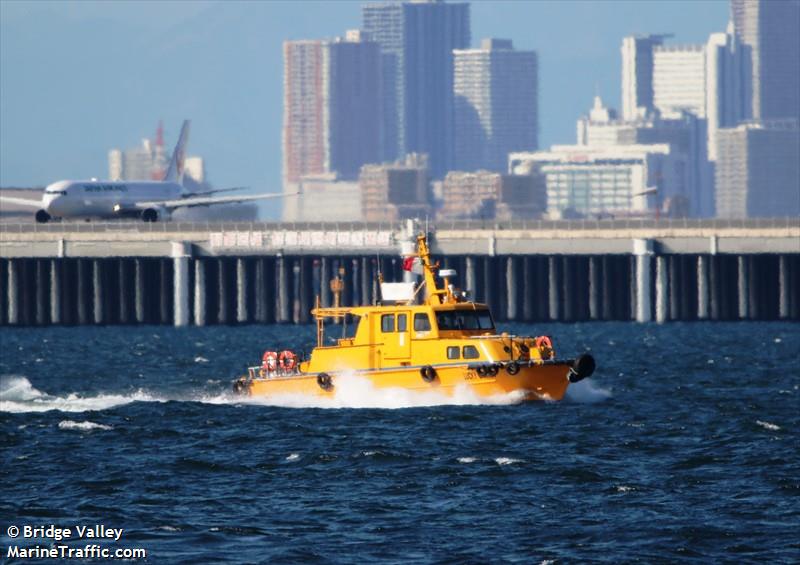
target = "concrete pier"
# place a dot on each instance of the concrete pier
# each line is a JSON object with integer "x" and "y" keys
{"x": 180, "y": 261}
{"x": 222, "y": 291}
{"x": 553, "y": 288}
{"x": 284, "y": 291}
{"x": 470, "y": 280}
{"x": 98, "y": 287}
{"x": 140, "y": 291}
{"x": 366, "y": 281}
{"x": 784, "y": 288}
{"x": 84, "y": 289}
{"x": 662, "y": 304}
{"x": 41, "y": 293}
{"x": 259, "y": 291}
{"x": 743, "y": 287}
{"x": 242, "y": 291}
{"x": 512, "y": 284}
{"x": 167, "y": 293}
{"x": 674, "y": 284}
{"x": 643, "y": 251}
{"x": 258, "y": 273}
{"x": 200, "y": 292}
{"x": 55, "y": 292}
{"x": 13, "y": 292}
{"x": 595, "y": 268}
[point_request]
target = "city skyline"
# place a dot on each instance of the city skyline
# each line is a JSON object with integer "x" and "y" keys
{"x": 238, "y": 111}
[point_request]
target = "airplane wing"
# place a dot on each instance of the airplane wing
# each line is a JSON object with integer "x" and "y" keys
{"x": 21, "y": 201}
{"x": 213, "y": 191}
{"x": 206, "y": 201}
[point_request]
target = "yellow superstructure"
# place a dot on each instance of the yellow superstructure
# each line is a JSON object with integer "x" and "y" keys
{"x": 441, "y": 344}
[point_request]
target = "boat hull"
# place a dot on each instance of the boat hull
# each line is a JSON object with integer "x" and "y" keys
{"x": 536, "y": 382}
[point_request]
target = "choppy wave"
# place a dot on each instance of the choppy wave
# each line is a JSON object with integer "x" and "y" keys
{"x": 768, "y": 425}
{"x": 83, "y": 426}
{"x": 17, "y": 395}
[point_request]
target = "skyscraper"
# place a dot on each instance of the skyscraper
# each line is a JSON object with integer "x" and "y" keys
{"x": 332, "y": 107}
{"x": 496, "y": 104}
{"x": 711, "y": 80}
{"x": 417, "y": 40}
{"x": 772, "y": 29}
{"x": 637, "y": 73}
{"x": 681, "y": 130}
{"x": 757, "y": 171}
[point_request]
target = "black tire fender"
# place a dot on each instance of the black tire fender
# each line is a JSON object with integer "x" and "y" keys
{"x": 428, "y": 373}
{"x": 324, "y": 381}
{"x": 512, "y": 368}
{"x": 581, "y": 368}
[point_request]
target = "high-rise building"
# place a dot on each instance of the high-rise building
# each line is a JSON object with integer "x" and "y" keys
{"x": 395, "y": 191}
{"x": 637, "y": 73}
{"x": 711, "y": 80}
{"x": 621, "y": 180}
{"x": 683, "y": 131}
{"x": 492, "y": 196}
{"x": 417, "y": 40}
{"x": 679, "y": 78}
{"x": 757, "y": 172}
{"x": 332, "y": 107}
{"x": 496, "y": 104}
{"x": 771, "y": 28}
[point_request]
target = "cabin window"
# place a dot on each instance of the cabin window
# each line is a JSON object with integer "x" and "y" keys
{"x": 452, "y": 352}
{"x": 402, "y": 322}
{"x": 471, "y": 352}
{"x": 422, "y": 323}
{"x": 387, "y": 323}
{"x": 464, "y": 320}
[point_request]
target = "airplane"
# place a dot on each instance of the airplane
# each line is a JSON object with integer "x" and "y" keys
{"x": 148, "y": 200}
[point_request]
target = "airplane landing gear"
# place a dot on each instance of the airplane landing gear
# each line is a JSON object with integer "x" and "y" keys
{"x": 42, "y": 217}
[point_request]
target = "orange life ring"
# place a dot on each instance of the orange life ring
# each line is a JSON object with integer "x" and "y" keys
{"x": 545, "y": 346}
{"x": 269, "y": 362}
{"x": 287, "y": 360}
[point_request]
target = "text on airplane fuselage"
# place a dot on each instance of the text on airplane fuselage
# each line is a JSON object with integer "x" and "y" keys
{"x": 105, "y": 187}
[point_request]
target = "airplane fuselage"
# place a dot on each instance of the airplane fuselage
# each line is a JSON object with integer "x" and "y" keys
{"x": 104, "y": 199}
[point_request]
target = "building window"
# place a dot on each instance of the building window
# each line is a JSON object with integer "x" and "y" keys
{"x": 452, "y": 352}
{"x": 471, "y": 352}
{"x": 387, "y": 323}
{"x": 401, "y": 323}
{"x": 422, "y": 323}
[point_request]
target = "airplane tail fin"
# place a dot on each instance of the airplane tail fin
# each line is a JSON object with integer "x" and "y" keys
{"x": 175, "y": 170}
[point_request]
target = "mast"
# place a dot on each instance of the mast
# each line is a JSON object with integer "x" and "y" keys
{"x": 433, "y": 294}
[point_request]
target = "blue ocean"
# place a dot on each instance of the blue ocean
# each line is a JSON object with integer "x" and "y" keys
{"x": 684, "y": 446}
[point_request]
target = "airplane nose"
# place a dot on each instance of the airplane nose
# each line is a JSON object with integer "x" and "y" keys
{"x": 51, "y": 203}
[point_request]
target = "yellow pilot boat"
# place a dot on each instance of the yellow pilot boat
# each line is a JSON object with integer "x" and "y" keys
{"x": 442, "y": 345}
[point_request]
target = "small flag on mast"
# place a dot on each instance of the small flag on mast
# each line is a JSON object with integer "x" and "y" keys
{"x": 413, "y": 264}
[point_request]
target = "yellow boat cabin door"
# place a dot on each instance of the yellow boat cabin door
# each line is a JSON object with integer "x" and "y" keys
{"x": 396, "y": 333}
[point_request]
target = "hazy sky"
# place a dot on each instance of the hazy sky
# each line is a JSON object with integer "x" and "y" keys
{"x": 78, "y": 78}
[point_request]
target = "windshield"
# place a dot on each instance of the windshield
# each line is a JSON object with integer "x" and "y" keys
{"x": 465, "y": 320}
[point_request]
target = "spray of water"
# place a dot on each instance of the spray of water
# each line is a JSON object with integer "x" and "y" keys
{"x": 18, "y": 395}
{"x": 587, "y": 392}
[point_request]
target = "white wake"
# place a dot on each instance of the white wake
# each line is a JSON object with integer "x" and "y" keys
{"x": 18, "y": 395}
{"x": 353, "y": 391}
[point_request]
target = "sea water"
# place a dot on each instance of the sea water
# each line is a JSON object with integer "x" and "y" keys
{"x": 684, "y": 445}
